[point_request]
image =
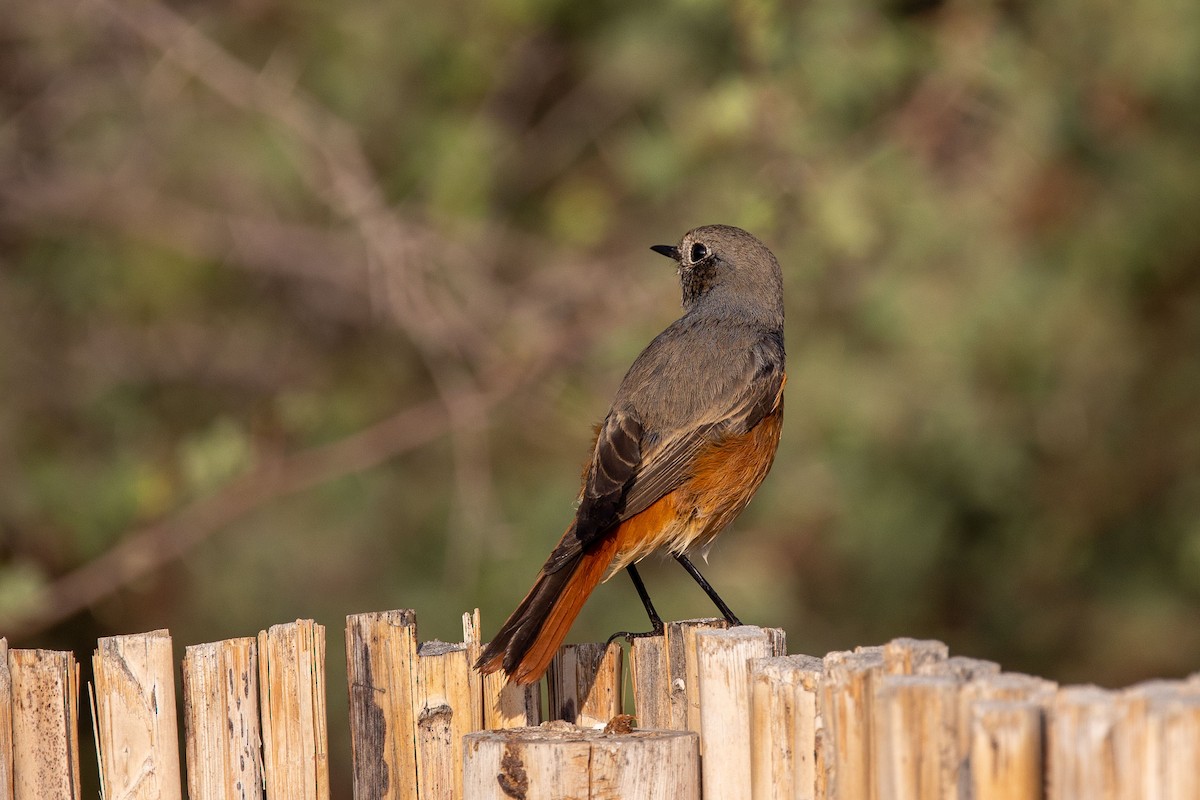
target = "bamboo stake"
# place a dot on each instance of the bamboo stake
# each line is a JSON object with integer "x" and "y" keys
{"x": 783, "y": 734}
{"x": 1082, "y": 759}
{"x": 550, "y": 763}
{"x": 651, "y": 674}
{"x": 1177, "y": 717}
{"x": 292, "y": 684}
{"x": 381, "y": 651}
{"x": 916, "y": 736}
{"x": 505, "y": 705}
{"x": 220, "y": 713}
{"x": 685, "y": 678}
{"x": 847, "y": 712}
{"x": 585, "y": 685}
{"x": 45, "y": 693}
{"x": 905, "y": 656}
{"x": 135, "y": 713}
{"x": 1006, "y": 686}
{"x": 723, "y": 660}
{"x": 1147, "y": 764}
{"x": 6, "y": 725}
{"x": 1006, "y": 750}
{"x": 960, "y": 668}
{"x": 446, "y": 711}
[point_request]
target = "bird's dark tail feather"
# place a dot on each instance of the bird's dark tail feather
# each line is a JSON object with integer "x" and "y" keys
{"x": 526, "y": 643}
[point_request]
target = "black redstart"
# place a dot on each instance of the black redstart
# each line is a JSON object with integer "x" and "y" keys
{"x": 690, "y": 436}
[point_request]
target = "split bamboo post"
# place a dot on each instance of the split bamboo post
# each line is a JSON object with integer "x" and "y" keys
{"x": 291, "y": 667}
{"x": 1177, "y": 719}
{"x": 505, "y": 705}
{"x": 137, "y": 730}
{"x": 1145, "y": 761}
{"x": 551, "y": 762}
{"x": 784, "y": 697}
{"x": 916, "y": 737}
{"x": 6, "y": 730}
{"x": 45, "y": 694}
{"x": 446, "y": 711}
{"x": 584, "y": 684}
{"x": 381, "y": 652}
{"x": 723, "y": 659}
{"x": 847, "y": 713}
{"x": 904, "y": 656}
{"x": 650, "y": 671}
{"x": 222, "y": 736}
{"x": 1081, "y": 755}
{"x": 685, "y": 677}
{"x": 1006, "y": 750}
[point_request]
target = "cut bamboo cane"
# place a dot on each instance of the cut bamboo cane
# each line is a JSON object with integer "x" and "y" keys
{"x": 45, "y": 692}
{"x": 783, "y": 734}
{"x": 651, "y": 673}
{"x": 904, "y": 656}
{"x": 723, "y": 660}
{"x": 1006, "y": 750}
{"x": 1008, "y": 687}
{"x": 446, "y": 711}
{"x": 1081, "y": 755}
{"x": 916, "y": 737}
{"x": 381, "y": 651}
{"x": 1145, "y": 760}
{"x": 681, "y": 660}
{"x": 135, "y": 711}
{"x": 505, "y": 705}
{"x": 223, "y": 740}
{"x": 960, "y": 668}
{"x": 550, "y": 763}
{"x": 584, "y": 684}
{"x": 291, "y": 664}
{"x": 1177, "y": 720}
{"x": 6, "y": 730}
{"x": 847, "y": 713}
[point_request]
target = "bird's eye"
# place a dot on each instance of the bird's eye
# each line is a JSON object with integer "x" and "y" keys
{"x": 699, "y": 252}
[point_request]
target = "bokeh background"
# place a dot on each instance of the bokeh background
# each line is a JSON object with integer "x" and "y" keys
{"x": 307, "y": 309}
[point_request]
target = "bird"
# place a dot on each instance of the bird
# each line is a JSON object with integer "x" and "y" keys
{"x": 691, "y": 434}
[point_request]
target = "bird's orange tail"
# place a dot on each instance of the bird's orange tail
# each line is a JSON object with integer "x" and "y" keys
{"x": 527, "y": 642}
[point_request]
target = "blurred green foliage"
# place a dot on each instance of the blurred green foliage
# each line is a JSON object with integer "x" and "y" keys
{"x": 234, "y": 234}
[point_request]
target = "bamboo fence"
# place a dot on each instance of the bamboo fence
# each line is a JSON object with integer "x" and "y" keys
{"x": 720, "y": 714}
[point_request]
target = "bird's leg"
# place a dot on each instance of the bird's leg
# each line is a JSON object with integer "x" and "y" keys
{"x": 656, "y": 623}
{"x": 708, "y": 589}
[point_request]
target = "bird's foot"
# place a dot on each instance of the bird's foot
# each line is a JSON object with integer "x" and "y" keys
{"x": 629, "y": 636}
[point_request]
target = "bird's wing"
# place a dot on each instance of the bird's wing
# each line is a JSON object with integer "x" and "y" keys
{"x": 632, "y": 468}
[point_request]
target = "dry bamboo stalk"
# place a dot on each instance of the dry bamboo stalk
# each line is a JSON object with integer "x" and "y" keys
{"x": 510, "y": 705}
{"x": 45, "y": 692}
{"x": 135, "y": 713}
{"x": 220, "y": 714}
{"x": 681, "y": 660}
{"x": 1082, "y": 760}
{"x": 1006, "y": 686}
{"x": 6, "y": 730}
{"x": 446, "y": 711}
{"x": 549, "y": 763}
{"x": 651, "y": 674}
{"x": 784, "y": 692}
{"x": 291, "y": 666}
{"x": 960, "y": 668}
{"x": 916, "y": 737}
{"x": 723, "y": 660}
{"x": 847, "y": 714}
{"x": 1177, "y": 719}
{"x": 1147, "y": 764}
{"x": 584, "y": 682}
{"x": 1006, "y": 750}
{"x": 381, "y": 652}
{"x": 904, "y": 656}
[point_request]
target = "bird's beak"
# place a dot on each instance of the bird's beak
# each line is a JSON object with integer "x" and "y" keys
{"x": 668, "y": 250}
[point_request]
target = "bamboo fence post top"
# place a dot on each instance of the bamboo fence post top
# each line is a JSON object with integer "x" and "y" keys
{"x": 45, "y": 693}
{"x": 562, "y": 761}
{"x": 1006, "y": 750}
{"x": 783, "y": 726}
{"x": 1080, "y": 752}
{"x": 651, "y": 674}
{"x": 903, "y": 656}
{"x": 291, "y": 665}
{"x": 222, "y": 736}
{"x": 6, "y": 722}
{"x": 916, "y": 737}
{"x": 585, "y": 684}
{"x": 723, "y": 660}
{"x": 381, "y": 652}
{"x": 446, "y": 711}
{"x": 135, "y": 712}
{"x": 681, "y": 661}
{"x": 847, "y": 702}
